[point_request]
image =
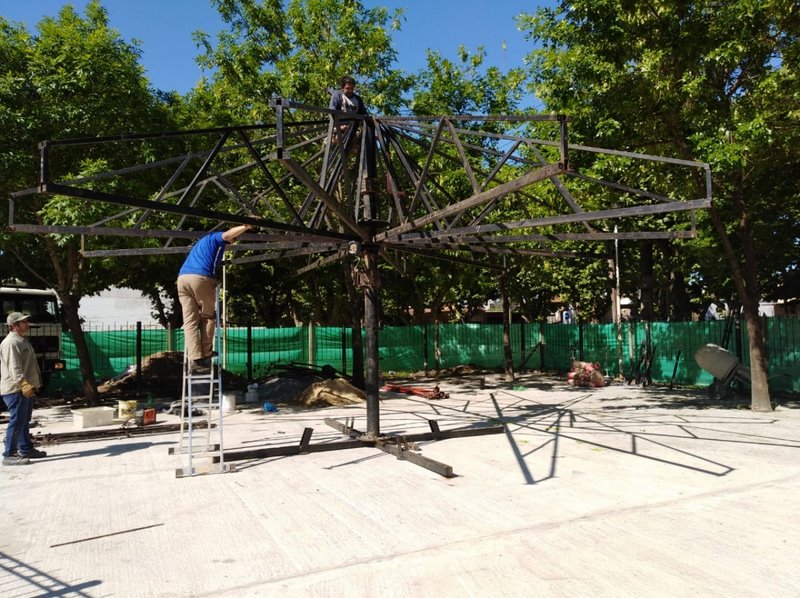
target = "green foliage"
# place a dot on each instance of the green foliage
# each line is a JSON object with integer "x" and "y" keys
{"x": 701, "y": 80}
{"x": 298, "y": 50}
{"x": 75, "y": 77}
{"x": 466, "y": 86}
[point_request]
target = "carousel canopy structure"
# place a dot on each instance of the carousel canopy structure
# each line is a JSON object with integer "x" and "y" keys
{"x": 321, "y": 184}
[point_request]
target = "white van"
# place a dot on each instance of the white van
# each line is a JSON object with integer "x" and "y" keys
{"x": 45, "y": 319}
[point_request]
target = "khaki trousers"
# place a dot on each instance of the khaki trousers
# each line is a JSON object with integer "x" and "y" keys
{"x": 198, "y": 300}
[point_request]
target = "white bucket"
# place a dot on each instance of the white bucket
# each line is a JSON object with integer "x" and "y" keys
{"x": 229, "y": 402}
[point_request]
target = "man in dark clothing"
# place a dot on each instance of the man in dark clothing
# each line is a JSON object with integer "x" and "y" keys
{"x": 346, "y": 99}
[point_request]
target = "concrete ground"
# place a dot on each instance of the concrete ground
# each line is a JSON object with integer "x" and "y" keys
{"x": 619, "y": 491}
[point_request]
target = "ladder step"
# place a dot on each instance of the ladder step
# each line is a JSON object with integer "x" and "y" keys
{"x": 177, "y": 450}
{"x": 185, "y": 472}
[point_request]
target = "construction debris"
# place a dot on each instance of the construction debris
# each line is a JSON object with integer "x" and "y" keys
{"x": 428, "y": 393}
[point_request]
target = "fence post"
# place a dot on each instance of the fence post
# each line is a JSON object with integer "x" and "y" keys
{"x": 521, "y": 345}
{"x": 541, "y": 346}
{"x": 344, "y": 350}
{"x": 311, "y": 343}
{"x": 138, "y": 358}
{"x": 580, "y": 339}
{"x": 425, "y": 347}
{"x": 249, "y": 351}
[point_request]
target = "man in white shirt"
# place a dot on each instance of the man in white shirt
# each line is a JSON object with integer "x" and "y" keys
{"x": 20, "y": 379}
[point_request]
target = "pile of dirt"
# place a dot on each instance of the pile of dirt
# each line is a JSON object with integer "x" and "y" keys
{"x": 162, "y": 375}
{"x": 331, "y": 392}
{"x": 284, "y": 389}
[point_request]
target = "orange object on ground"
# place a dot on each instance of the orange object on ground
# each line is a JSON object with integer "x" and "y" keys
{"x": 434, "y": 393}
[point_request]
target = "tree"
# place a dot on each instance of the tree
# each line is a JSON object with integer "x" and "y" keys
{"x": 75, "y": 78}
{"x": 699, "y": 80}
{"x": 298, "y": 50}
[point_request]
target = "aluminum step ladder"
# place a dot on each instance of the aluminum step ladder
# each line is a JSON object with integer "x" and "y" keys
{"x": 202, "y": 392}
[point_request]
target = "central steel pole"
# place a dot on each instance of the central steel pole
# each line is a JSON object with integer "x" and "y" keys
{"x": 372, "y": 379}
{"x": 372, "y": 286}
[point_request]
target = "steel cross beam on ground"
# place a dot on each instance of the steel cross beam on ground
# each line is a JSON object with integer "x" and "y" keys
{"x": 321, "y": 185}
{"x": 403, "y": 447}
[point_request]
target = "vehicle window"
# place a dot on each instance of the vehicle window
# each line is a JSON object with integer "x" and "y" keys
{"x": 41, "y": 309}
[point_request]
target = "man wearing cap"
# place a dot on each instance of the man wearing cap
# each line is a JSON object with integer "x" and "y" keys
{"x": 19, "y": 380}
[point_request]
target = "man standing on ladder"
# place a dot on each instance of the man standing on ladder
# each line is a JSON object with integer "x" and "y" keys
{"x": 197, "y": 283}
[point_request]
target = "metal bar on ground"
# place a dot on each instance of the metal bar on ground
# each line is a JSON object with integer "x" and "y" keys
{"x": 304, "y": 441}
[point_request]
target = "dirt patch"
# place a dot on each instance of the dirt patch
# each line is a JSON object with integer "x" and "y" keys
{"x": 331, "y": 392}
{"x": 162, "y": 376}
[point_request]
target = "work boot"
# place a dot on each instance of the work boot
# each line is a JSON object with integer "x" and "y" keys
{"x": 200, "y": 366}
{"x": 15, "y": 460}
{"x": 34, "y": 454}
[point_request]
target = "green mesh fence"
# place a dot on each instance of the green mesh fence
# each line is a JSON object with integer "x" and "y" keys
{"x": 269, "y": 347}
{"x": 551, "y": 347}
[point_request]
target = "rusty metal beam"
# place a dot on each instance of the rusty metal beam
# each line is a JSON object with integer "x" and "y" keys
{"x": 476, "y": 200}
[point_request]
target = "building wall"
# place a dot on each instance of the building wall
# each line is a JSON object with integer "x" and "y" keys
{"x": 116, "y": 306}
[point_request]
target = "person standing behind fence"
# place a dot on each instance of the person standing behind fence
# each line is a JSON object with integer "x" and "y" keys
{"x": 197, "y": 282}
{"x": 20, "y": 379}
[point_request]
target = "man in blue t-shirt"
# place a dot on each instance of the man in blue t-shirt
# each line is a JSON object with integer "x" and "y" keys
{"x": 197, "y": 282}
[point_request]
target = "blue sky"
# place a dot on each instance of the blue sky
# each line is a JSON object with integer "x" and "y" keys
{"x": 164, "y": 28}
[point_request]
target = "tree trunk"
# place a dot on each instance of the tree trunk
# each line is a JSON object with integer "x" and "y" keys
{"x": 647, "y": 281}
{"x": 437, "y": 348}
{"x": 675, "y": 302}
{"x": 744, "y": 277}
{"x": 760, "y": 399}
{"x": 70, "y": 307}
{"x": 508, "y": 359}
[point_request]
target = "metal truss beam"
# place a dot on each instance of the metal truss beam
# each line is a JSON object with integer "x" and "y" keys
{"x": 320, "y": 185}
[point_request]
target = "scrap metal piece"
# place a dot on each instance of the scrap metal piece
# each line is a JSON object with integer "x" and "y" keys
{"x": 428, "y": 393}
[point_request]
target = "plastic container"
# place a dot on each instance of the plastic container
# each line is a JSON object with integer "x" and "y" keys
{"x": 228, "y": 402}
{"x": 126, "y": 409}
{"x": 93, "y": 416}
{"x": 148, "y": 417}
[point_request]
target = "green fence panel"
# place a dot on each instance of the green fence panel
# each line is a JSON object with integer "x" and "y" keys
{"x": 113, "y": 352}
{"x": 674, "y": 345}
{"x": 270, "y": 347}
{"x": 479, "y": 345}
{"x": 560, "y": 345}
{"x": 599, "y": 342}
{"x": 549, "y": 347}
{"x": 402, "y": 348}
{"x": 783, "y": 353}
{"x": 332, "y": 346}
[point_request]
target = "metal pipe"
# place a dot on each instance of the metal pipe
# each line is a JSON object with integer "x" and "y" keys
{"x": 371, "y": 325}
